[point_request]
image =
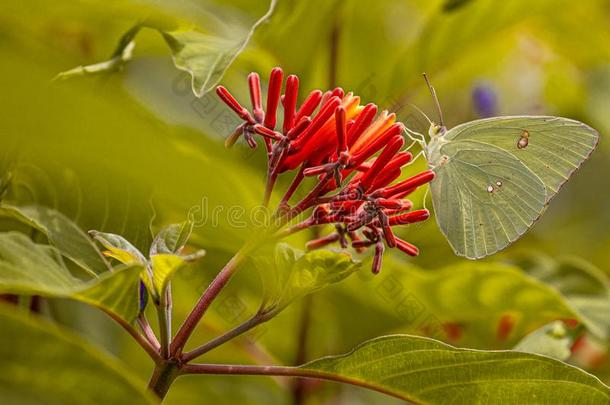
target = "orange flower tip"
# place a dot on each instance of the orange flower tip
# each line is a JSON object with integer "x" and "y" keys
{"x": 372, "y": 147}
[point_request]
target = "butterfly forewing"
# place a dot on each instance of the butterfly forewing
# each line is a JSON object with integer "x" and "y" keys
{"x": 551, "y": 147}
{"x": 484, "y": 197}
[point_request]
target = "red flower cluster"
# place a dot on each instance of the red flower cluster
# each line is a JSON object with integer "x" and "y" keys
{"x": 331, "y": 136}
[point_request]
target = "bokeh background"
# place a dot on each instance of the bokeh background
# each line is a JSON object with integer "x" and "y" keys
{"x": 117, "y": 152}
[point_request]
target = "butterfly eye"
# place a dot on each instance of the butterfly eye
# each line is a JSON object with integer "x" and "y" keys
{"x": 435, "y": 130}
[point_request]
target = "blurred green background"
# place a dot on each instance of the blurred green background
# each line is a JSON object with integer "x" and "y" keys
{"x": 116, "y": 151}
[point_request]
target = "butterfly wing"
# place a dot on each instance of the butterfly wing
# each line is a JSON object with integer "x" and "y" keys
{"x": 530, "y": 156}
{"x": 484, "y": 197}
{"x": 551, "y": 147}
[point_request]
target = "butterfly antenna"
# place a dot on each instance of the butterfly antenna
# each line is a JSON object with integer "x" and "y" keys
{"x": 422, "y": 113}
{"x": 435, "y": 98}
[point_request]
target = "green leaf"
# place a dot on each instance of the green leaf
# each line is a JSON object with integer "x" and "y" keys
{"x": 584, "y": 287}
{"x": 291, "y": 274}
{"x": 206, "y": 57}
{"x": 119, "y": 248}
{"x": 33, "y": 269}
{"x": 551, "y": 340}
{"x": 477, "y": 295}
{"x": 164, "y": 267}
{"x": 122, "y": 55}
{"x": 62, "y": 233}
{"x": 427, "y": 371}
{"x": 39, "y": 363}
{"x": 172, "y": 238}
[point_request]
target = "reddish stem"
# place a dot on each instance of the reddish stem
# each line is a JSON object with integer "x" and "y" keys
{"x": 204, "y": 303}
{"x": 224, "y": 369}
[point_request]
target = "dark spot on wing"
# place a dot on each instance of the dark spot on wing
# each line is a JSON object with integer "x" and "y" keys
{"x": 523, "y": 140}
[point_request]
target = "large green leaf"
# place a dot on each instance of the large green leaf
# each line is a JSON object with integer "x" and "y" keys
{"x": 476, "y": 296}
{"x": 62, "y": 233}
{"x": 41, "y": 364}
{"x": 289, "y": 274}
{"x": 430, "y": 372}
{"x": 33, "y": 269}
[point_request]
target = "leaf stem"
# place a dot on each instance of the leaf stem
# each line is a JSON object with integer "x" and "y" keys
{"x": 233, "y": 333}
{"x": 284, "y": 371}
{"x": 141, "y": 340}
{"x": 148, "y": 332}
{"x": 206, "y": 299}
{"x": 164, "y": 314}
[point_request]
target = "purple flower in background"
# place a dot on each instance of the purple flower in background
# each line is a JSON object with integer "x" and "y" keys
{"x": 485, "y": 100}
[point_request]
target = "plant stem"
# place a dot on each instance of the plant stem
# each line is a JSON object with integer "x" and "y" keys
{"x": 137, "y": 336}
{"x": 187, "y": 328}
{"x": 298, "y": 178}
{"x": 298, "y": 388}
{"x": 164, "y": 310}
{"x": 271, "y": 179}
{"x": 220, "y": 340}
{"x": 224, "y": 369}
{"x": 162, "y": 378}
{"x": 148, "y": 332}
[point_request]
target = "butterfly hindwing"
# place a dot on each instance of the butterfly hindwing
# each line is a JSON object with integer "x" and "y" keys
{"x": 484, "y": 197}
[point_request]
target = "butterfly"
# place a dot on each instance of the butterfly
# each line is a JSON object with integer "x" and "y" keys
{"x": 496, "y": 176}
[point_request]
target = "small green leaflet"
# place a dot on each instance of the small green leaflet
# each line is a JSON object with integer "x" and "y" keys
{"x": 496, "y": 176}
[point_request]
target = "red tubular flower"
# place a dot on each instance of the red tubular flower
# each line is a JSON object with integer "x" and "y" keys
{"x": 407, "y": 185}
{"x": 254, "y": 82}
{"x": 273, "y": 98}
{"x": 309, "y": 105}
{"x": 290, "y": 101}
{"x": 333, "y": 137}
